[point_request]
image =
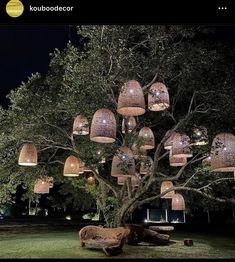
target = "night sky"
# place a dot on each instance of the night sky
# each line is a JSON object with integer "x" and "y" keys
{"x": 25, "y": 50}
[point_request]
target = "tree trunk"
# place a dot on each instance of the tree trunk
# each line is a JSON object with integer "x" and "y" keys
{"x": 140, "y": 234}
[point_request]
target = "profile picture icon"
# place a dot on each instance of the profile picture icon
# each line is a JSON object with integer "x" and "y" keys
{"x": 14, "y": 8}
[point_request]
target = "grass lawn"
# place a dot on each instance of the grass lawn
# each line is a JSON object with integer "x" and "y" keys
{"x": 65, "y": 244}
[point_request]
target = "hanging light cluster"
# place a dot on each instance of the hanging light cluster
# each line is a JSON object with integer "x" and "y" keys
{"x": 165, "y": 185}
{"x": 90, "y": 180}
{"x": 72, "y": 166}
{"x": 28, "y": 155}
{"x": 158, "y": 97}
{"x": 80, "y": 125}
{"x": 146, "y": 166}
{"x": 42, "y": 186}
{"x": 223, "y": 153}
{"x": 131, "y": 103}
{"x": 103, "y": 126}
{"x": 177, "y": 202}
{"x": 123, "y": 163}
{"x": 131, "y": 99}
{"x": 179, "y": 148}
{"x": 147, "y": 136}
{"x": 138, "y": 152}
{"x": 135, "y": 181}
{"x": 129, "y": 123}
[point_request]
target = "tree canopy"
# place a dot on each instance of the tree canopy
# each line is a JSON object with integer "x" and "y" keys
{"x": 198, "y": 70}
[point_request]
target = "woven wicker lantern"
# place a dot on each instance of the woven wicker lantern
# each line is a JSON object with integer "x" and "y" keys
{"x": 135, "y": 181}
{"x": 138, "y": 152}
{"x": 123, "y": 163}
{"x": 165, "y": 186}
{"x": 103, "y": 126}
{"x": 91, "y": 180}
{"x": 146, "y": 166}
{"x": 181, "y": 146}
{"x": 131, "y": 99}
{"x": 158, "y": 97}
{"x": 130, "y": 122}
{"x": 81, "y": 166}
{"x": 41, "y": 186}
{"x": 223, "y": 153}
{"x": 80, "y": 126}
{"x": 28, "y": 155}
{"x": 177, "y": 202}
{"x": 148, "y": 138}
{"x": 177, "y": 161}
{"x": 169, "y": 142}
{"x": 121, "y": 180}
{"x": 72, "y": 166}
{"x": 199, "y": 136}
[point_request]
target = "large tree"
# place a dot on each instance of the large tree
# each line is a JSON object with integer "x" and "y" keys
{"x": 197, "y": 68}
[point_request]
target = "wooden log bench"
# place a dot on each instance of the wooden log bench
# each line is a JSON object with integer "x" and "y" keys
{"x": 162, "y": 228}
{"x": 141, "y": 236}
{"x": 110, "y": 240}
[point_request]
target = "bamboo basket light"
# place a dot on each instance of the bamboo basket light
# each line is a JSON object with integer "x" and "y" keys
{"x": 121, "y": 180}
{"x": 158, "y": 97}
{"x": 169, "y": 142}
{"x": 80, "y": 125}
{"x": 130, "y": 123}
{"x": 146, "y": 166}
{"x": 81, "y": 166}
{"x": 177, "y": 202}
{"x": 148, "y": 138}
{"x": 223, "y": 153}
{"x": 138, "y": 152}
{"x": 165, "y": 185}
{"x": 41, "y": 186}
{"x": 72, "y": 166}
{"x": 123, "y": 163}
{"x": 91, "y": 180}
{"x": 131, "y": 99}
{"x": 103, "y": 126}
{"x": 135, "y": 181}
{"x": 177, "y": 161}
{"x": 181, "y": 146}
{"x": 199, "y": 136}
{"x": 28, "y": 155}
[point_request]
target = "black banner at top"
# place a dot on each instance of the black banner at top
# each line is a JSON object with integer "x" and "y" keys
{"x": 116, "y": 12}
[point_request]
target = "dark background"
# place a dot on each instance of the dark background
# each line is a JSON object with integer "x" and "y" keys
{"x": 24, "y": 49}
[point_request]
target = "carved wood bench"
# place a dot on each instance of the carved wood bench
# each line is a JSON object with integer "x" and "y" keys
{"x": 110, "y": 240}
